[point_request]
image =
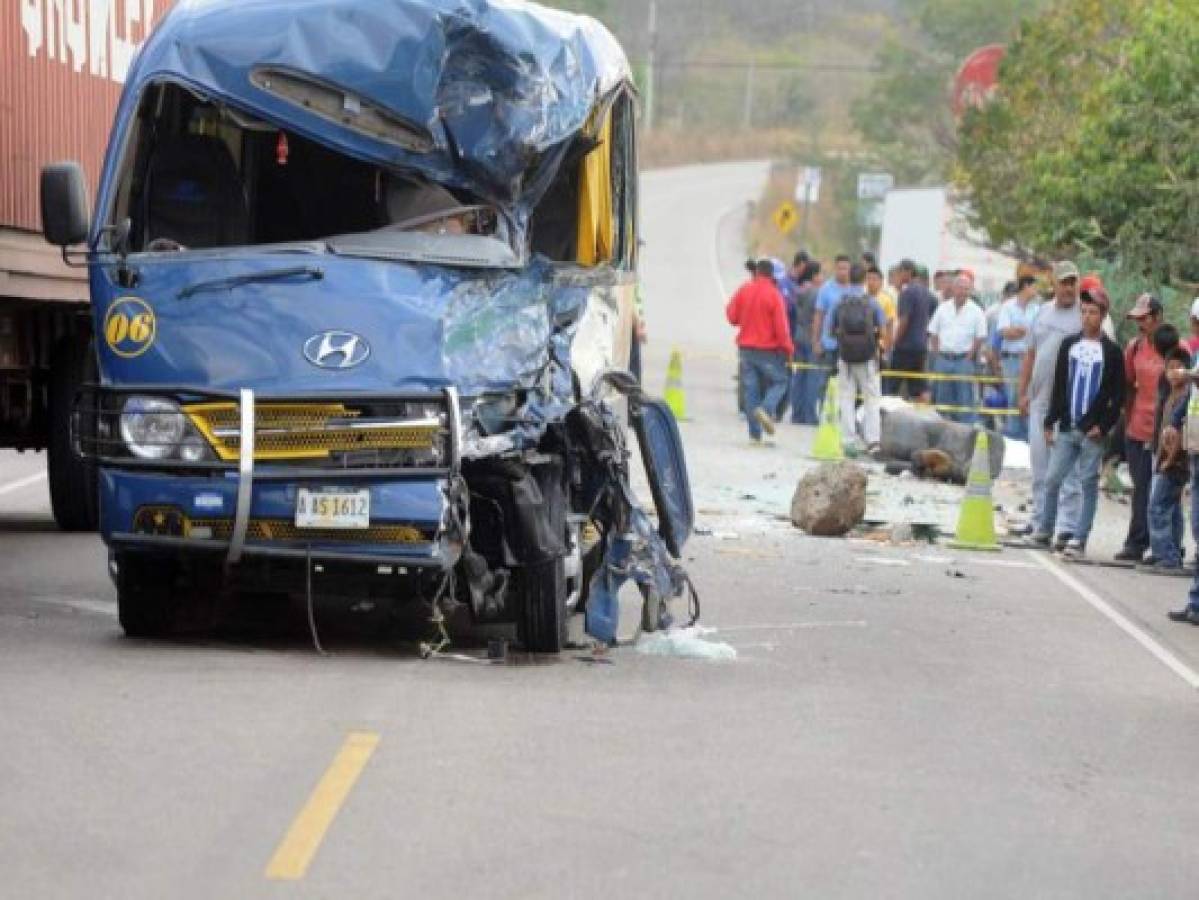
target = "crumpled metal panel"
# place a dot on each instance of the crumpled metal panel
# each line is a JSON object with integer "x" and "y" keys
{"x": 495, "y": 84}
{"x": 428, "y": 327}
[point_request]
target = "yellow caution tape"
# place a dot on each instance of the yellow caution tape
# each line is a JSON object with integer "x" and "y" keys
{"x": 923, "y": 376}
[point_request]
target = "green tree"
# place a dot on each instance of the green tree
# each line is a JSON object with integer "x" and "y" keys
{"x": 906, "y": 116}
{"x": 1089, "y": 148}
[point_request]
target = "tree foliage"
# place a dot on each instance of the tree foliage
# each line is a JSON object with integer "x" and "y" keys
{"x": 906, "y": 117}
{"x": 1090, "y": 147}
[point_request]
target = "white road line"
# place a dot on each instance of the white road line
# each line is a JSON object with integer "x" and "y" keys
{"x": 715, "y": 259}
{"x": 884, "y": 561}
{"x": 790, "y": 626}
{"x": 1160, "y": 653}
{"x": 22, "y": 483}
{"x": 996, "y": 563}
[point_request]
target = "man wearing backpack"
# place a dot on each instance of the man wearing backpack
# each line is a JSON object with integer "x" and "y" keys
{"x": 858, "y": 323}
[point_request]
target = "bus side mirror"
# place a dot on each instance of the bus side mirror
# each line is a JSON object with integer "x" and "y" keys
{"x": 65, "y": 217}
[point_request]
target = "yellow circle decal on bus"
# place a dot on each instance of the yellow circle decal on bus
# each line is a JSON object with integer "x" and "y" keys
{"x": 130, "y": 327}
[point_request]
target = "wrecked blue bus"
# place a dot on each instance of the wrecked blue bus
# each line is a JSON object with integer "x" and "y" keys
{"x": 362, "y": 278}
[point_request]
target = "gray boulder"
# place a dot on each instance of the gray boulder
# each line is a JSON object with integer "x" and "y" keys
{"x": 830, "y": 501}
{"x": 908, "y": 434}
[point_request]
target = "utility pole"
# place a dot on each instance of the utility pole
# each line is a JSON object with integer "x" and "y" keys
{"x": 650, "y": 65}
{"x": 748, "y": 119}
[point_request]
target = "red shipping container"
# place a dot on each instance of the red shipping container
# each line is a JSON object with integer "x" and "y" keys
{"x": 62, "y": 65}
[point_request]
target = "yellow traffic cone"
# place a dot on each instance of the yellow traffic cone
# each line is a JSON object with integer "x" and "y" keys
{"x": 674, "y": 396}
{"x": 827, "y": 445}
{"x": 976, "y": 521}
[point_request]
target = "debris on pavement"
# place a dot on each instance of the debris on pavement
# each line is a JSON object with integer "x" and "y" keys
{"x": 685, "y": 643}
{"x": 830, "y": 501}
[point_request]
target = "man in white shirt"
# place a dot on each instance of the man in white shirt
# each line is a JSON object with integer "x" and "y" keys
{"x": 956, "y": 333}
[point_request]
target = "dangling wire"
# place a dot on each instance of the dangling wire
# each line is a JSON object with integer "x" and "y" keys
{"x": 316, "y": 640}
{"x": 692, "y": 600}
{"x": 441, "y": 635}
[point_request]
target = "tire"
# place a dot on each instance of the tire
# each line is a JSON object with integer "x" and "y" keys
{"x": 74, "y": 489}
{"x": 651, "y": 609}
{"x": 147, "y": 602}
{"x": 542, "y": 624}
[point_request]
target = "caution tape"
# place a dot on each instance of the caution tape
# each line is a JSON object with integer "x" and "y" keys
{"x": 922, "y": 376}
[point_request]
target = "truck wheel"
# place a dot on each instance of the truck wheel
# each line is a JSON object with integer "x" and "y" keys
{"x": 542, "y": 624}
{"x": 651, "y": 609}
{"x": 74, "y": 492}
{"x": 146, "y": 597}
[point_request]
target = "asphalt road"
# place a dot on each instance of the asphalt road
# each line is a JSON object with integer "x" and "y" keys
{"x": 898, "y": 722}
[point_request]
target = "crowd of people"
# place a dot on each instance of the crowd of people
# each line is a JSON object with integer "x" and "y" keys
{"x": 1050, "y": 372}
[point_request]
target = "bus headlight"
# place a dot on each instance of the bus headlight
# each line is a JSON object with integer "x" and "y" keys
{"x": 152, "y": 427}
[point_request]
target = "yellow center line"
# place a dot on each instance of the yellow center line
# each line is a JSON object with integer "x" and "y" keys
{"x": 296, "y": 850}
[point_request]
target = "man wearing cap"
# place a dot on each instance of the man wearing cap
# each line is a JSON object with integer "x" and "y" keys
{"x": 1093, "y": 282}
{"x": 1143, "y": 367}
{"x": 1054, "y": 323}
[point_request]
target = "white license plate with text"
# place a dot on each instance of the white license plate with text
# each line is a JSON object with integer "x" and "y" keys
{"x": 333, "y": 509}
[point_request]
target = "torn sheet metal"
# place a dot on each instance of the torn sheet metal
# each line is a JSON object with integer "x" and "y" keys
{"x": 639, "y": 555}
{"x": 634, "y": 550}
{"x": 486, "y": 88}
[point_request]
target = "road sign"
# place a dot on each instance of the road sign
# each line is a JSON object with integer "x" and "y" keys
{"x": 977, "y": 79}
{"x": 874, "y": 185}
{"x": 807, "y": 191}
{"x": 785, "y": 217}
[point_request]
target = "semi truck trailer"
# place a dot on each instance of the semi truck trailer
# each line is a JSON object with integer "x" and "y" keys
{"x": 62, "y": 66}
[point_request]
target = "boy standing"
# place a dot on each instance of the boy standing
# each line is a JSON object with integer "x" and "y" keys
{"x": 1171, "y": 470}
{"x": 1088, "y": 395}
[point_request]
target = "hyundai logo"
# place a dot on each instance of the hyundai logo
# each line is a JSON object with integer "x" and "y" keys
{"x": 336, "y": 350}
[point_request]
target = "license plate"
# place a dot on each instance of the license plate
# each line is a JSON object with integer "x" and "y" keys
{"x": 333, "y": 509}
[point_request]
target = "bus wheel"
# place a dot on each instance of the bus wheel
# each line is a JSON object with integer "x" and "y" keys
{"x": 74, "y": 492}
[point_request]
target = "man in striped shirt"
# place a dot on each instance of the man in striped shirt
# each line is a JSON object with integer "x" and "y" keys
{"x": 1088, "y": 396}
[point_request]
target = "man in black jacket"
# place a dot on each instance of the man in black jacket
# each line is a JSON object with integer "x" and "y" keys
{"x": 1088, "y": 396}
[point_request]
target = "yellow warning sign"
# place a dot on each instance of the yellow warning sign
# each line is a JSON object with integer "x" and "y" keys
{"x": 785, "y": 216}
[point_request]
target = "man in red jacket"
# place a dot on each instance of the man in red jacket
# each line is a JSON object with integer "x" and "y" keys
{"x": 765, "y": 347}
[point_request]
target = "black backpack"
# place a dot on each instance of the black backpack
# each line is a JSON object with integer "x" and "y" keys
{"x": 857, "y": 339}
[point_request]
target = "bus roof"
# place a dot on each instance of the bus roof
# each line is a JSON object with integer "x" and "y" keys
{"x": 483, "y": 88}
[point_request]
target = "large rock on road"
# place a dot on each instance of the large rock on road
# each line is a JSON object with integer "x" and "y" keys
{"x": 830, "y": 501}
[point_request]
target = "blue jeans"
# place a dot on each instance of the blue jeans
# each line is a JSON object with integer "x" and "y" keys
{"x": 1072, "y": 448}
{"x": 827, "y": 360}
{"x": 803, "y": 383}
{"x": 955, "y": 393}
{"x": 1140, "y": 466}
{"x": 1017, "y": 426}
{"x": 1195, "y": 502}
{"x": 1165, "y": 519}
{"x": 764, "y": 383}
